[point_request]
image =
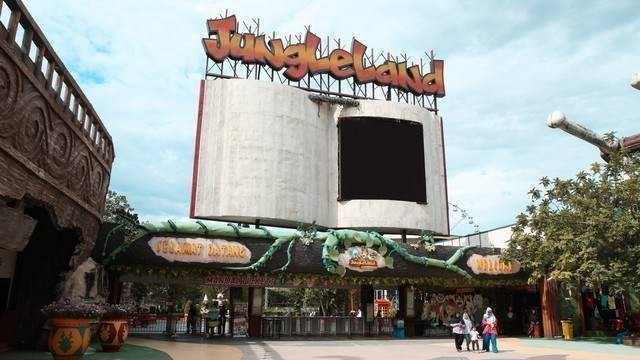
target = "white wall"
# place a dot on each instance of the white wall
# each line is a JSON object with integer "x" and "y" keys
{"x": 268, "y": 152}
{"x": 498, "y": 238}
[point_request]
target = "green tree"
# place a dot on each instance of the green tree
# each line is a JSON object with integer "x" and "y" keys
{"x": 139, "y": 292}
{"x": 328, "y": 301}
{"x": 117, "y": 209}
{"x": 585, "y": 229}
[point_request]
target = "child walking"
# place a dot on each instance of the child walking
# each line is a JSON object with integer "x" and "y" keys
{"x": 475, "y": 337}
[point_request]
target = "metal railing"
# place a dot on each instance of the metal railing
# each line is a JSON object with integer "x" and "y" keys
{"x": 169, "y": 324}
{"x": 272, "y": 326}
{"x": 20, "y": 34}
{"x": 276, "y": 326}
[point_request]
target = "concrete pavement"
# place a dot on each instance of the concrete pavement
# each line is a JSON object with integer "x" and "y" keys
{"x": 387, "y": 349}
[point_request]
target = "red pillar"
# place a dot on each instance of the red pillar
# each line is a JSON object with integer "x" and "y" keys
{"x": 549, "y": 301}
{"x": 256, "y": 300}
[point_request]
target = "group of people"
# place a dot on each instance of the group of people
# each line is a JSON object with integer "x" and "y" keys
{"x": 215, "y": 317}
{"x": 464, "y": 329}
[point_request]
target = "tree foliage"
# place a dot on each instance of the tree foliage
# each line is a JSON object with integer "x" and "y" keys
{"x": 584, "y": 229}
{"x": 327, "y": 301}
{"x": 159, "y": 293}
{"x": 117, "y": 209}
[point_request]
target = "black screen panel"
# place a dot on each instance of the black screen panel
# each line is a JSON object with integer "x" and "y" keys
{"x": 381, "y": 159}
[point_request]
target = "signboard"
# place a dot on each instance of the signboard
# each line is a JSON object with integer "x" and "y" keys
{"x": 200, "y": 250}
{"x": 411, "y": 312}
{"x": 256, "y": 302}
{"x": 490, "y": 264}
{"x": 242, "y": 280}
{"x": 301, "y": 59}
{"x": 240, "y": 323}
{"x": 361, "y": 259}
{"x": 269, "y": 281}
{"x": 369, "y": 313}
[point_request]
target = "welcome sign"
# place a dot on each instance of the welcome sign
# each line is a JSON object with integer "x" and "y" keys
{"x": 301, "y": 59}
{"x": 200, "y": 250}
{"x": 492, "y": 265}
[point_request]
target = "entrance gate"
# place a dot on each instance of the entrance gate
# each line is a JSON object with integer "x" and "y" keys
{"x": 247, "y": 260}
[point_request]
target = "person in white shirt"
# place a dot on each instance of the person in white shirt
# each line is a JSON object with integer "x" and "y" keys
{"x": 468, "y": 325}
{"x": 458, "y": 330}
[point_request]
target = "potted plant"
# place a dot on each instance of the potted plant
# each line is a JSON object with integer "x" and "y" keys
{"x": 114, "y": 327}
{"x": 70, "y": 327}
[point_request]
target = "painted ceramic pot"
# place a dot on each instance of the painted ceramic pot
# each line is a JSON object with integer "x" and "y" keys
{"x": 113, "y": 332}
{"x": 69, "y": 338}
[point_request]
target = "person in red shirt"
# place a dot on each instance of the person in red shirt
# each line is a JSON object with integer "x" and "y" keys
{"x": 490, "y": 330}
{"x": 622, "y": 329}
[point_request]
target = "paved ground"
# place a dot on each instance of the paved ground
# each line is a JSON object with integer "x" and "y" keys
{"x": 195, "y": 349}
{"x": 387, "y": 349}
{"x": 369, "y": 349}
{"x": 93, "y": 353}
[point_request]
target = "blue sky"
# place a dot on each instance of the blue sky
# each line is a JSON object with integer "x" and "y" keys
{"x": 508, "y": 64}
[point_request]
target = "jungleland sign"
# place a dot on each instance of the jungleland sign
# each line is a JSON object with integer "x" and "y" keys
{"x": 361, "y": 259}
{"x": 301, "y": 59}
{"x": 200, "y": 250}
{"x": 490, "y": 264}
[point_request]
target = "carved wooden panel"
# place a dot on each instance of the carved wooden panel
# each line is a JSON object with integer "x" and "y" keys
{"x": 53, "y": 147}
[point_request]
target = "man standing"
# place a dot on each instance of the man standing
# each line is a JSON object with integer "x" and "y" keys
{"x": 223, "y": 318}
{"x": 213, "y": 319}
{"x": 534, "y": 321}
{"x": 188, "y": 313}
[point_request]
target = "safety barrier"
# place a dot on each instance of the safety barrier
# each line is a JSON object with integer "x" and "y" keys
{"x": 276, "y": 326}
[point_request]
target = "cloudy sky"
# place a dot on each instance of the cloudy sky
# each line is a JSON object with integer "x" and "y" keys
{"x": 508, "y": 64}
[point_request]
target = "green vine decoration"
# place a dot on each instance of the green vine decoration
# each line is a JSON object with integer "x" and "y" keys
{"x": 274, "y": 248}
{"x": 332, "y": 240}
{"x": 348, "y": 238}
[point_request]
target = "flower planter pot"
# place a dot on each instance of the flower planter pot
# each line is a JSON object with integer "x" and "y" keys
{"x": 69, "y": 338}
{"x": 113, "y": 332}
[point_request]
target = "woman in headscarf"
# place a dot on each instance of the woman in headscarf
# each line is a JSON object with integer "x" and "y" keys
{"x": 490, "y": 331}
{"x": 468, "y": 325}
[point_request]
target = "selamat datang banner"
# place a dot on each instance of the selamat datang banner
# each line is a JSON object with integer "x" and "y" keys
{"x": 200, "y": 250}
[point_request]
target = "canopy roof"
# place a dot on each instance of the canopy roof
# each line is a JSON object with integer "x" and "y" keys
{"x": 198, "y": 249}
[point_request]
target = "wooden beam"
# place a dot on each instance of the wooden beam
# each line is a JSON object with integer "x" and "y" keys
{"x": 14, "y": 20}
{"x": 49, "y": 74}
{"x": 26, "y": 43}
{"x": 38, "y": 63}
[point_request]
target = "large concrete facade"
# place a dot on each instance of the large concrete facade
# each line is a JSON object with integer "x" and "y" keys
{"x": 266, "y": 151}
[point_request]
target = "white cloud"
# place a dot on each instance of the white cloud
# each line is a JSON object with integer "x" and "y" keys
{"x": 508, "y": 65}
